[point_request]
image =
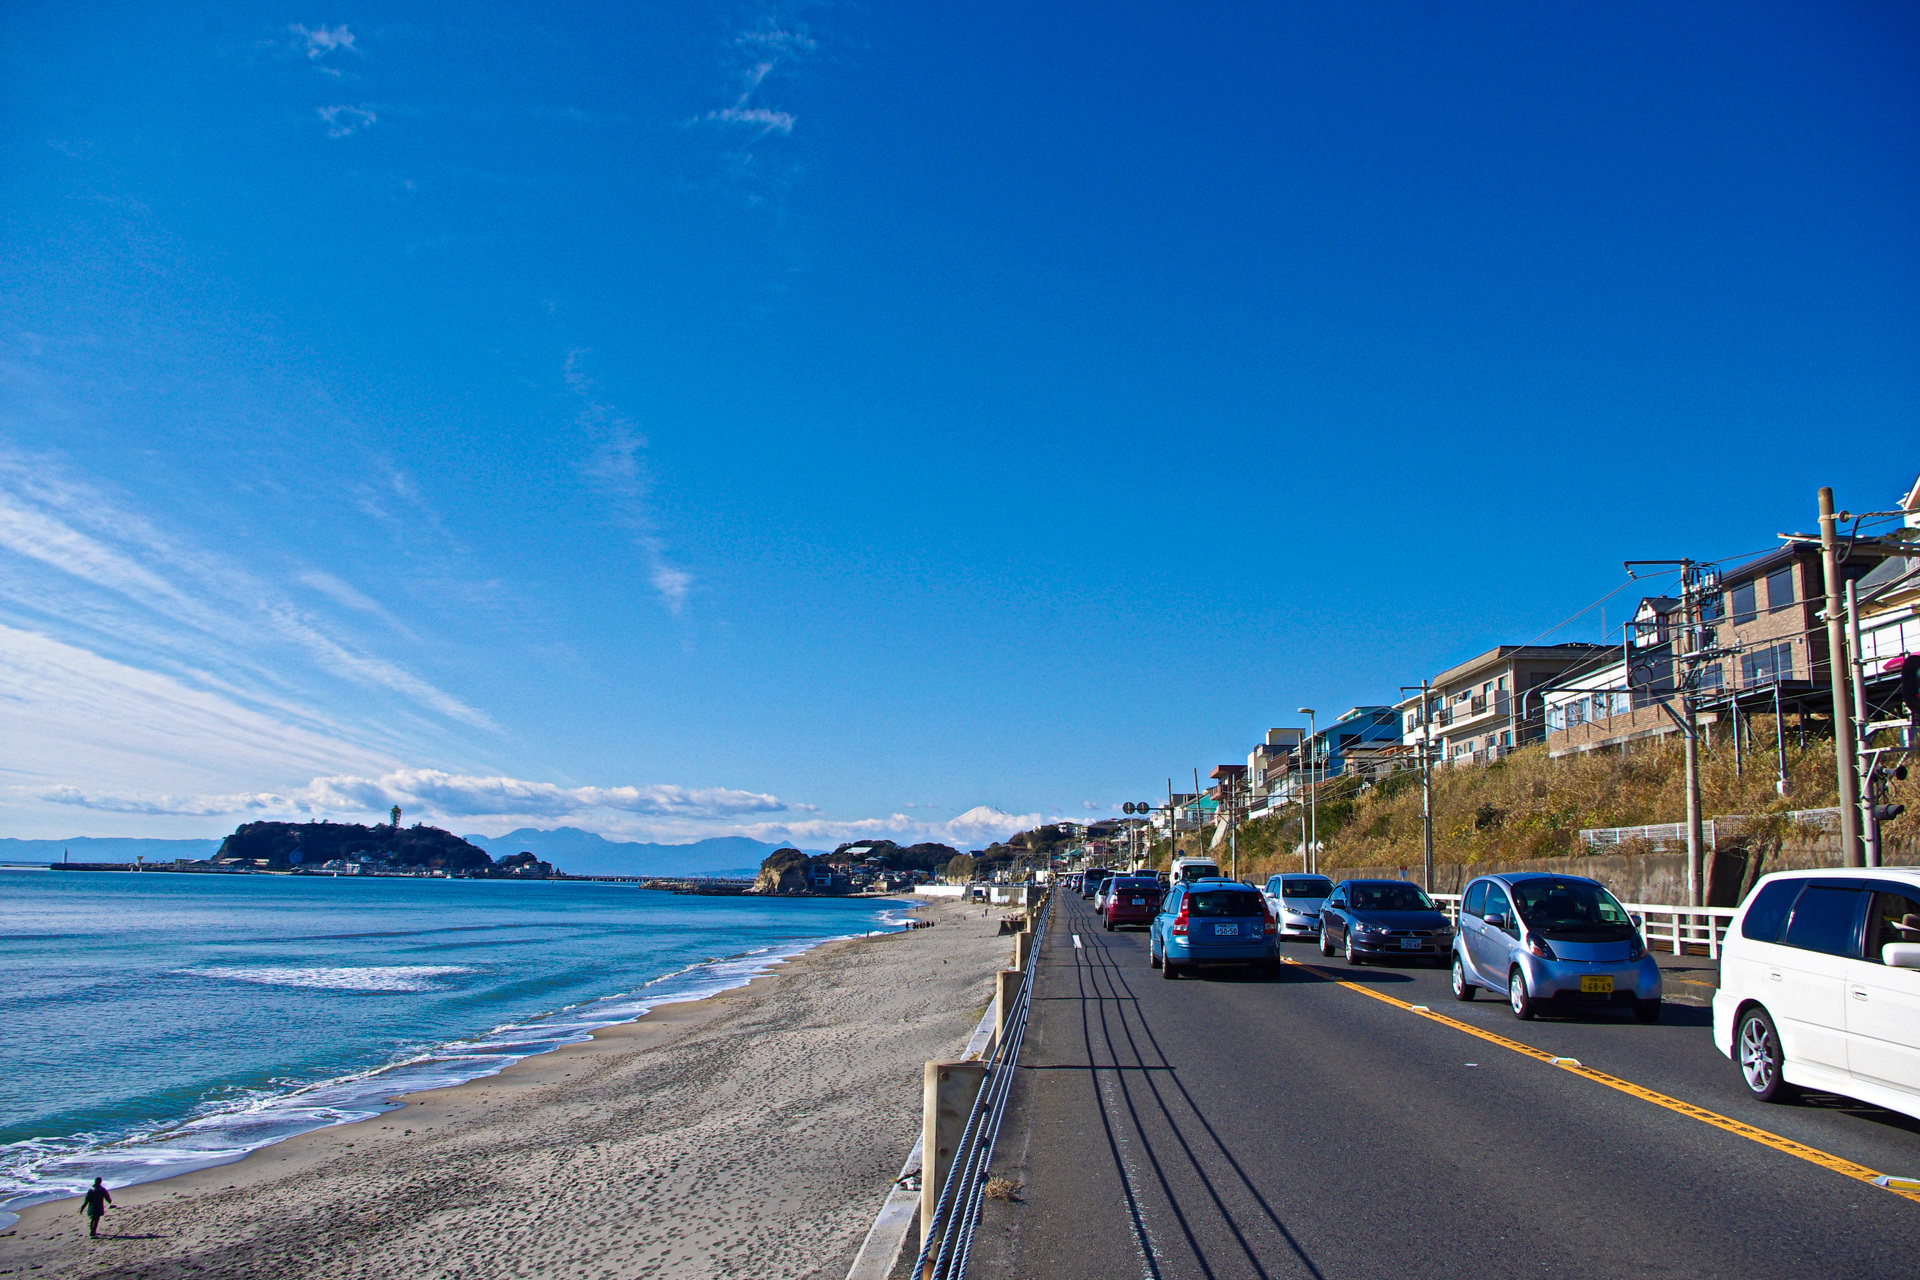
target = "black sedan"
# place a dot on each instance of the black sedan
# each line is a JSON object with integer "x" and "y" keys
{"x": 1384, "y": 920}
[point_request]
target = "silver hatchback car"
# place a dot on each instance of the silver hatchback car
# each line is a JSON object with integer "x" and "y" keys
{"x": 1552, "y": 943}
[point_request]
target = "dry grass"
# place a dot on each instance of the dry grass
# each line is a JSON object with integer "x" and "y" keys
{"x": 1003, "y": 1189}
{"x": 1529, "y": 806}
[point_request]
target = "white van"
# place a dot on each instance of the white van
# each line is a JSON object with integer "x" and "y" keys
{"x": 1185, "y": 869}
{"x": 1820, "y": 986}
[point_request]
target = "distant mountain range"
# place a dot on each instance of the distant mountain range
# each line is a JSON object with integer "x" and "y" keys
{"x": 583, "y": 853}
{"x": 105, "y": 849}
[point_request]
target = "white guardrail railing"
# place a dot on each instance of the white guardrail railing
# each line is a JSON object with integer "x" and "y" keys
{"x": 1666, "y": 928}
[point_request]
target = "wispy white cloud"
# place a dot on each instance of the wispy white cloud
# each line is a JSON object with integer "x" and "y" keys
{"x": 344, "y": 120}
{"x": 759, "y": 117}
{"x": 759, "y": 52}
{"x": 318, "y": 42}
{"x": 110, "y": 574}
{"x": 617, "y": 472}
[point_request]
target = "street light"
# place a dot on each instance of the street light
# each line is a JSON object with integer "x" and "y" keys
{"x": 1310, "y": 861}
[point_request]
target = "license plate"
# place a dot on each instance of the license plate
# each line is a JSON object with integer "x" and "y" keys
{"x": 1224, "y": 930}
{"x": 1139, "y": 902}
{"x": 1409, "y": 944}
{"x": 1597, "y": 984}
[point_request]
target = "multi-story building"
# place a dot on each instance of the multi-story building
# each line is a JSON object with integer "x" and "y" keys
{"x": 1758, "y": 646}
{"x": 1490, "y": 704}
{"x": 1267, "y": 765}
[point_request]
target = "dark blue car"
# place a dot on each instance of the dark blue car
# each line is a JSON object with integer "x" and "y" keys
{"x": 1213, "y": 922}
{"x": 1384, "y": 920}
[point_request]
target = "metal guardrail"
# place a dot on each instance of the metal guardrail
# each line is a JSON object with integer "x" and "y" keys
{"x": 949, "y": 1236}
{"x": 1676, "y": 928}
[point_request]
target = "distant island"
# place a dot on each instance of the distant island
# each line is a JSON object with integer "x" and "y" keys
{"x": 351, "y": 847}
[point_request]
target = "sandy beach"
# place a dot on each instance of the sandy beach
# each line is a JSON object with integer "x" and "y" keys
{"x": 752, "y": 1134}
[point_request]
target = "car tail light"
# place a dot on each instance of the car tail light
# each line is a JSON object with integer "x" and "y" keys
{"x": 1540, "y": 948}
{"x": 1273, "y": 923}
{"x": 1638, "y": 948}
{"x": 1180, "y": 921}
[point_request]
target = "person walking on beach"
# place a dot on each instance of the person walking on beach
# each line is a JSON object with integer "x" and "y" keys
{"x": 95, "y": 1203}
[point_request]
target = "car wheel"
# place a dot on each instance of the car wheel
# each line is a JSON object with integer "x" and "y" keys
{"x": 1353, "y": 957}
{"x": 1169, "y": 970}
{"x": 1109, "y": 925}
{"x": 1517, "y": 998}
{"x": 1153, "y": 957}
{"x": 1326, "y": 944}
{"x": 1462, "y": 989}
{"x": 1756, "y": 1047}
{"x": 1647, "y": 1011}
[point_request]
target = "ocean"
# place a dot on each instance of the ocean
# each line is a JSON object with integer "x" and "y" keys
{"x": 158, "y": 1022}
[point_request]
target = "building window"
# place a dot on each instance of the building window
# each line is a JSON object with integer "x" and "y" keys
{"x": 1780, "y": 588}
{"x": 1713, "y": 607}
{"x": 1556, "y": 719}
{"x": 1506, "y": 738}
{"x": 1742, "y": 604}
{"x": 1764, "y": 666}
{"x": 1711, "y": 679}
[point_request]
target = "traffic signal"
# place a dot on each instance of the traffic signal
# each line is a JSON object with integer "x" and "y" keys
{"x": 1884, "y": 813}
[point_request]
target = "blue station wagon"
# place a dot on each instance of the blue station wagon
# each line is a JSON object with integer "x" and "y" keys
{"x": 1213, "y": 922}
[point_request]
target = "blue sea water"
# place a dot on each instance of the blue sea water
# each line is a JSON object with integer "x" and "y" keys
{"x": 152, "y": 1023}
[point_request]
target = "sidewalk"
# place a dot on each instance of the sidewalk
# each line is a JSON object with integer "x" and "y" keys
{"x": 1688, "y": 979}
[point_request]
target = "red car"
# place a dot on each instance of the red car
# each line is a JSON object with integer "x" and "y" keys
{"x": 1131, "y": 900}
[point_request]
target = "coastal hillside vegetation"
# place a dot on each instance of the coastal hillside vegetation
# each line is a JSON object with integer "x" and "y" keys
{"x": 1531, "y": 806}
{"x": 315, "y": 843}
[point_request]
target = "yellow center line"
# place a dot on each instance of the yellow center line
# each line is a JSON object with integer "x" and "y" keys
{"x": 1812, "y": 1155}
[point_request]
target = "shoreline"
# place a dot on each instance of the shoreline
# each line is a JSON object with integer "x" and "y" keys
{"x": 359, "y": 1098}
{"x": 768, "y": 1117}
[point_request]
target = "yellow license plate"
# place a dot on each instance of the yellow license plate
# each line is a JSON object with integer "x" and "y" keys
{"x": 1601, "y": 985}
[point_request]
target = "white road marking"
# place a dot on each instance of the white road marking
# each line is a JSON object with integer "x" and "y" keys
{"x": 1076, "y": 943}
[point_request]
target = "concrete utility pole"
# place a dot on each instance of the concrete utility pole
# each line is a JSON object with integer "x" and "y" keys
{"x": 1696, "y": 832}
{"x": 1869, "y": 820}
{"x": 1426, "y": 788}
{"x": 1310, "y": 860}
{"x": 1697, "y": 650}
{"x": 1846, "y": 765}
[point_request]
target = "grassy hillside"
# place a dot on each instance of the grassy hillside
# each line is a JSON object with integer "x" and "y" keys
{"x": 1528, "y": 806}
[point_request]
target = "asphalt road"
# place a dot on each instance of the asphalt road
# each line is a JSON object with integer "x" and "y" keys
{"x": 1226, "y": 1126}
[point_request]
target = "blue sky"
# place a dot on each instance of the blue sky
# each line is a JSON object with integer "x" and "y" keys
{"x": 823, "y": 420}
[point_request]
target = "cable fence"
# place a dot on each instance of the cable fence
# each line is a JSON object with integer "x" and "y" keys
{"x": 949, "y": 1234}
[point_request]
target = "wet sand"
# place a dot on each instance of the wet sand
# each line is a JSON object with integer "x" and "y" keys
{"x": 752, "y": 1134}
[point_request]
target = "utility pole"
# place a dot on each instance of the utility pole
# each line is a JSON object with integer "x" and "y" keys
{"x": 1310, "y": 860}
{"x": 1846, "y": 765}
{"x": 1869, "y": 820}
{"x": 1426, "y": 778}
{"x": 1696, "y": 833}
{"x": 1699, "y": 648}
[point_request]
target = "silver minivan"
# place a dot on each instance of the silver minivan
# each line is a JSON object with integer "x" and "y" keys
{"x": 1552, "y": 943}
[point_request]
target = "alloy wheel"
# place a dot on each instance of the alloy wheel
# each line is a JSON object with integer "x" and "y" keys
{"x": 1756, "y": 1054}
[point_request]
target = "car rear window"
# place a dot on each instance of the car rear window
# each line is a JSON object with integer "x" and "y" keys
{"x": 1389, "y": 897}
{"x": 1768, "y": 910}
{"x": 1132, "y": 884}
{"x": 1823, "y": 920}
{"x": 1224, "y": 902}
{"x": 1305, "y": 888}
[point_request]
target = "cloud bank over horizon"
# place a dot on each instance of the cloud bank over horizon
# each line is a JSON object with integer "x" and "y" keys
{"x": 496, "y": 805}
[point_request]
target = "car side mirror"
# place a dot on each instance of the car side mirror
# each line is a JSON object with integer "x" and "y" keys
{"x": 1638, "y": 920}
{"x": 1498, "y": 920}
{"x": 1901, "y": 955}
